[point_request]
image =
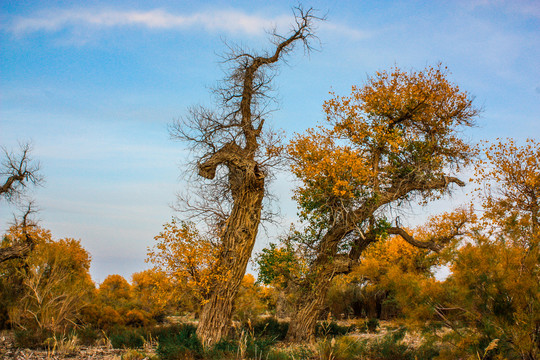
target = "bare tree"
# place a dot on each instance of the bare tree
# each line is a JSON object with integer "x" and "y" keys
{"x": 19, "y": 171}
{"x": 234, "y": 158}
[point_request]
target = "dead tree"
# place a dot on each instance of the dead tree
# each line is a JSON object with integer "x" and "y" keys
{"x": 18, "y": 172}
{"x": 234, "y": 157}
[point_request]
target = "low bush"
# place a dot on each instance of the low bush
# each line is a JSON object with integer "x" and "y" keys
{"x": 136, "y": 355}
{"x": 298, "y": 353}
{"x": 224, "y": 349}
{"x": 343, "y": 348}
{"x": 87, "y": 335}
{"x": 127, "y": 338}
{"x": 372, "y": 325}
{"x": 257, "y": 347}
{"x": 391, "y": 346}
{"x": 271, "y": 327}
{"x": 138, "y": 318}
{"x": 181, "y": 344}
{"x": 332, "y": 328}
{"x": 32, "y": 338}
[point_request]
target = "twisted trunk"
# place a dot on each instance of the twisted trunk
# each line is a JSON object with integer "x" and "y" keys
{"x": 238, "y": 240}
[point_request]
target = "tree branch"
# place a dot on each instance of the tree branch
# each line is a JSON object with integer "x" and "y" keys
{"x": 26, "y": 243}
{"x": 411, "y": 240}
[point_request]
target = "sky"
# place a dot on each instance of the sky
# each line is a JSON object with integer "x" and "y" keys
{"x": 94, "y": 85}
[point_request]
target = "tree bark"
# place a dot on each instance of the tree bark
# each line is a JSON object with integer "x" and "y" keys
{"x": 302, "y": 327}
{"x": 16, "y": 251}
{"x": 237, "y": 149}
{"x": 308, "y": 308}
{"x": 238, "y": 240}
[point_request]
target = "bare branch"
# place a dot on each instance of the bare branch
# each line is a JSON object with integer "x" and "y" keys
{"x": 18, "y": 171}
{"x": 26, "y": 243}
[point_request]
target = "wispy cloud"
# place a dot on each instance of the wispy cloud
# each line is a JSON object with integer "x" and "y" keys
{"x": 229, "y": 21}
{"x": 225, "y": 20}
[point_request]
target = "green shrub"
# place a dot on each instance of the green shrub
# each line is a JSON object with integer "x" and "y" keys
{"x": 428, "y": 350}
{"x": 87, "y": 335}
{"x": 271, "y": 327}
{"x": 391, "y": 346}
{"x": 300, "y": 353}
{"x": 135, "y": 355}
{"x": 257, "y": 347}
{"x": 225, "y": 348}
{"x": 332, "y": 329}
{"x": 32, "y": 339}
{"x": 182, "y": 344}
{"x": 126, "y": 338}
{"x": 343, "y": 348}
{"x": 372, "y": 325}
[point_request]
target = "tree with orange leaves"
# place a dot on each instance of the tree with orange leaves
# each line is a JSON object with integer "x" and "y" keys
{"x": 47, "y": 289}
{"x": 187, "y": 258}
{"x": 490, "y": 303}
{"x": 393, "y": 140}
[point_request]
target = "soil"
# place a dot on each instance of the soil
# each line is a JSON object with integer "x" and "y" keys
{"x": 8, "y": 350}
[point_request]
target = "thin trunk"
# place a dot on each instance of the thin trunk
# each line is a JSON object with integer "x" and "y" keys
{"x": 308, "y": 308}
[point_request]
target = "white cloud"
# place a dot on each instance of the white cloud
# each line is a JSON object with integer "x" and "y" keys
{"x": 345, "y": 31}
{"x": 230, "y": 21}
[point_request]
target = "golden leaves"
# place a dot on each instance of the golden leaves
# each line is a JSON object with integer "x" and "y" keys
{"x": 186, "y": 256}
{"x": 400, "y": 126}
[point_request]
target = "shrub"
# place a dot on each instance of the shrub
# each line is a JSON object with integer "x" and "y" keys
{"x": 332, "y": 329}
{"x": 257, "y": 347}
{"x": 126, "y": 338}
{"x": 134, "y": 355}
{"x": 109, "y": 318}
{"x": 137, "y": 318}
{"x": 32, "y": 338}
{"x": 343, "y": 348}
{"x": 223, "y": 349}
{"x": 182, "y": 344}
{"x": 301, "y": 353}
{"x": 87, "y": 335}
{"x": 372, "y": 325}
{"x": 271, "y": 327}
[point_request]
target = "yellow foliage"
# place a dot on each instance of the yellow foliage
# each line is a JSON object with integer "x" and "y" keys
{"x": 187, "y": 258}
{"x": 250, "y": 300}
{"x": 54, "y": 282}
{"x": 399, "y": 126}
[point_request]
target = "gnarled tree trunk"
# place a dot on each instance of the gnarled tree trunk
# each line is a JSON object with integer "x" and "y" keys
{"x": 232, "y": 139}
{"x": 238, "y": 239}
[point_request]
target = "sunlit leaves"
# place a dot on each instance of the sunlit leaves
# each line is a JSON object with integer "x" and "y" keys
{"x": 399, "y": 128}
{"x": 509, "y": 176}
{"x": 54, "y": 282}
{"x": 187, "y": 257}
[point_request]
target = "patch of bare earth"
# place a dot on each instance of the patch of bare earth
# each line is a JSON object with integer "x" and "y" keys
{"x": 8, "y": 350}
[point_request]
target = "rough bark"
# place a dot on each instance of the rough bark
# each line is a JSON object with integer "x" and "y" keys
{"x": 26, "y": 243}
{"x": 238, "y": 240}
{"x": 236, "y": 151}
{"x": 308, "y": 308}
{"x": 16, "y": 251}
{"x": 20, "y": 171}
{"x": 328, "y": 262}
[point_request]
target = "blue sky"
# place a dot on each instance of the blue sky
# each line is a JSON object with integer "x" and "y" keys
{"x": 94, "y": 85}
